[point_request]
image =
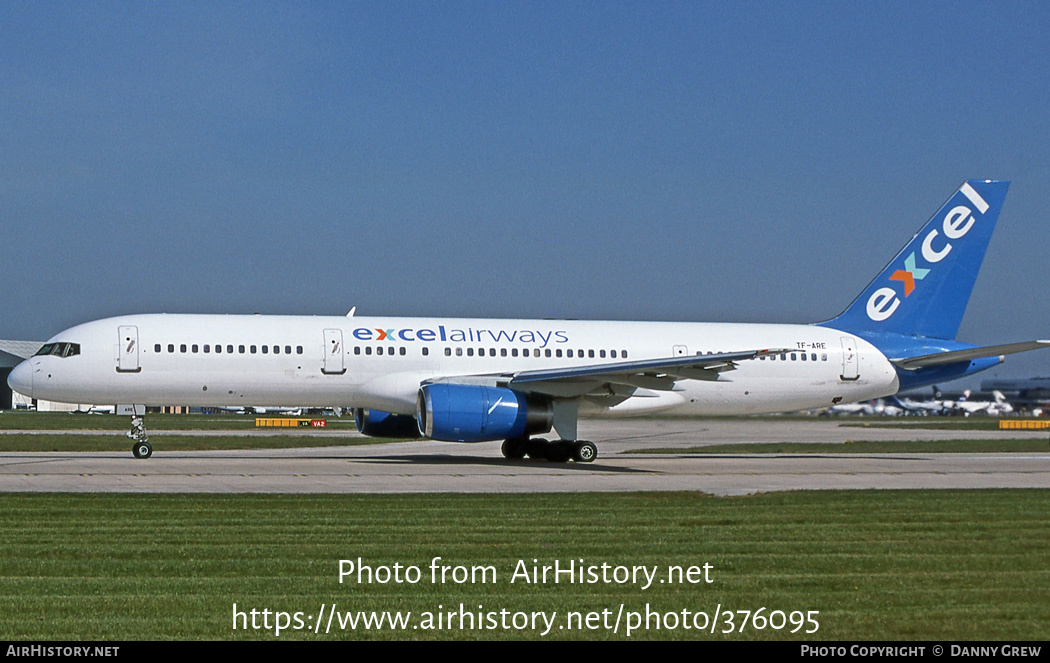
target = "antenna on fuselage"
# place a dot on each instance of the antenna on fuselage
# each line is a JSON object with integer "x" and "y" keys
{"x": 350, "y": 314}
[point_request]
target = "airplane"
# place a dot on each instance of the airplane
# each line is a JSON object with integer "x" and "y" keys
{"x": 998, "y": 406}
{"x": 920, "y": 408}
{"x": 480, "y": 380}
{"x": 877, "y": 408}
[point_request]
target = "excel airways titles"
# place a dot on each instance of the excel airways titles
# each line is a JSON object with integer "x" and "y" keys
{"x": 468, "y": 335}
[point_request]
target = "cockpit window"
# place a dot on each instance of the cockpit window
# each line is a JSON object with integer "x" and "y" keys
{"x": 59, "y": 349}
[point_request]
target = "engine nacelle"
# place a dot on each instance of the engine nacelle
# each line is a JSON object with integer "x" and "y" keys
{"x": 376, "y": 423}
{"x": 475, "y": 413}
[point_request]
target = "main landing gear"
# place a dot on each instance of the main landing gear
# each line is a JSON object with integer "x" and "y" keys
{"x": 556, "y": 451}
{"x": 141, "y": 448}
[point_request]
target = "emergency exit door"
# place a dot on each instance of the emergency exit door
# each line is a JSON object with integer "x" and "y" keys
{"x": 333, "y": 352}
{"x": 850, "y": 363}
{"x": 128, "y": 350}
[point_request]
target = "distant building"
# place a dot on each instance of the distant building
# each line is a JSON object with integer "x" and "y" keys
{"x": 12, "y": 353}
{"x": 1030, "y": 393}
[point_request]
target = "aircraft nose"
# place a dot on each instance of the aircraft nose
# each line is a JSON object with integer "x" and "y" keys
{"x": 21, "y": 379}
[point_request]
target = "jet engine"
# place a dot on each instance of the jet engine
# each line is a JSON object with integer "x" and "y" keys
{"x": 476, "y": 413}
{"x": 376, "y": 423}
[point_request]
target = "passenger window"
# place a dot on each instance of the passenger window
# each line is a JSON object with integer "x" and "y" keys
{"x": 171, "y": 347}
{"x": 803, "y": 356}
{"x": 623, "y": 354}
{"x": 218, "y": 349}
{"x": 298, "y": 349}
{"x": 590, "y": 353}
{"x": 547, "y": 352}
{"x": 823, "y": 357}
{"x": 156, "y": 348}
{"x": 513, "y": 352}
{"x": 601, "y": 354}
{"x": 207, "y": 349}
{"x": 240, "y": 349}
{"x": 265, "y": 349}
{"x": 503, "y": 352}
{"x": 357, "y": 349}
{"x": 448, "y": 352}
{"x": 557, "y": 353}
{"x": 229, "y": 349}
{"x": 287, "y": 349}
{"x": 277, "y": 349}
{"x": 426, "y": 352}
{"x": 470, "y": 352}
{"x": 793, "y": 358}
{"x": 613, "y": 354}
{"x": 813, "y": 356}
{"x": 459, "y": 352}
{"x": 492, "y": 352}
{"x": 368, "y": 349}
{"x": 182, "y": 347}
{"x": 402, "y": 351}
{"x": 252, "y": 349}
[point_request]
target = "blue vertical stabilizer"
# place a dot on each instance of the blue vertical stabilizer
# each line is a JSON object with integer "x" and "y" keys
{"x": 925, "y": 288}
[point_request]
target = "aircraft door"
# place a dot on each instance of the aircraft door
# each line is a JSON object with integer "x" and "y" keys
{"x": 128, "y": 350}
{"x": 850, "y": 362}
{"x": 333, "y": 352}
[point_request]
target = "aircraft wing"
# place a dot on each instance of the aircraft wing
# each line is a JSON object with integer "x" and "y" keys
{"x": 939, "y": 358}
{"x": 622, "y": 379}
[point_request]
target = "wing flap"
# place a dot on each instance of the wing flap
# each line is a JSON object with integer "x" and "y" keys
{"x": 618, "y": 377}
{"x": 669, "y": 366}
{"x": 618, "y": 380}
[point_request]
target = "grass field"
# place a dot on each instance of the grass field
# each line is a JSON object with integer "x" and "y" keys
{"x": 931, "y": 423}
{"x": 886, "y": 565}
{"x": 17, "y": 419}
{"x": 110, "y": 430}
{"x": 20, "y": 420}
{"x": 864, "y": 447}
{"x": 118, "y": 442}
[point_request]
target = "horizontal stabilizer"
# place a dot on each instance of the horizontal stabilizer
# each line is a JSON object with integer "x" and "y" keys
{"x": 941, "y": 358}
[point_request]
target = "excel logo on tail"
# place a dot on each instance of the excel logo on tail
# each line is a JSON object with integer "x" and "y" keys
{"x": 936, "y": 245}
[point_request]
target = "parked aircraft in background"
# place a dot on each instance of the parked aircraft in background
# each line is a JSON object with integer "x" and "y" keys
{"x": 1031, "y": 395}
{"x": 963, "y": 405}
{"x": 476, "y": 380}
{"x": 873, "y": 408}
{"x": 996, "y": 407}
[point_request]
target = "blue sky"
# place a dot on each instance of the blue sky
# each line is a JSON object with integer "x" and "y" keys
{"x": 656, "y": 161}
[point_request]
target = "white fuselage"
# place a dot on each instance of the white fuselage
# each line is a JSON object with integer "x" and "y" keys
{"x": 379, "y": 363}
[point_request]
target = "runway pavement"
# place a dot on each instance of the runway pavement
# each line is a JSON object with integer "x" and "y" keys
{"x": 426, "y": 466}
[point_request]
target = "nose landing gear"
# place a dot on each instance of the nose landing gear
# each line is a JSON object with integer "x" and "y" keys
{"x": 141, "y": 448}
